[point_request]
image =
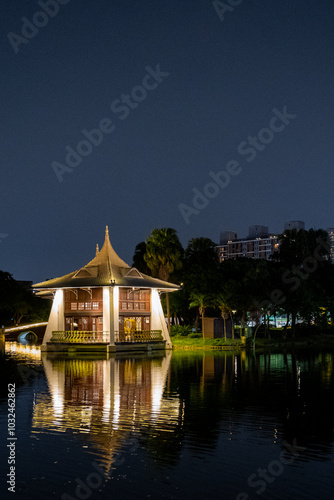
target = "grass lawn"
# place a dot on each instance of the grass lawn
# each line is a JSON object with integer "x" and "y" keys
{"x": 180, "y": 341}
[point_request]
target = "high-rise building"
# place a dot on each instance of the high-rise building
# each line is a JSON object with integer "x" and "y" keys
{"x": 294, "y": 224}
{"x": 259, "y": 244}
{"x": 330, "y": 232}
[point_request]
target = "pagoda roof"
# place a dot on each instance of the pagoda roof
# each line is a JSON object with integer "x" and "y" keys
{"x": 106, "y": 269}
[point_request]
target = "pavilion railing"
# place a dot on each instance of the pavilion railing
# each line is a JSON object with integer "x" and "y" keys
{"x": 139, "y": 336}
{"x": 77, "y": 336}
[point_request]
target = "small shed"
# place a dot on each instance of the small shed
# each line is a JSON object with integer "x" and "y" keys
{"x": 214, "y": 328}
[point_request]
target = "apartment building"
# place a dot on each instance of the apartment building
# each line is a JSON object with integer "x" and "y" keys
{"x": 259, "y": 244}
{"x": 330, "y": 232}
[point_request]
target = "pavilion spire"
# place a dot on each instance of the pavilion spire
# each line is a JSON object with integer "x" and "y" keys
{"x": 106, "y": 255}
{"x": 106, "y": 238}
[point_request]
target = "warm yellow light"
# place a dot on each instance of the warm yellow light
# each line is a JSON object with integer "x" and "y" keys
{"x": 26, "y": 351}
{"x": 117, "y": 408}
{"x": 57, "y": 301}
{"x": 58, "y": 405}
{"x": 105, "y": 297}
{"x": 24, "y": 327}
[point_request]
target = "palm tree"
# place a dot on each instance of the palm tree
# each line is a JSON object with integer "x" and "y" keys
{"x": 138, "y": 260}
{"x": 201, "y": 267}
{"x": 202, "y": 301}
{"x": 222, "y": 301}
{"x": 256, "y": 282}
{"x": 163, "y": 255}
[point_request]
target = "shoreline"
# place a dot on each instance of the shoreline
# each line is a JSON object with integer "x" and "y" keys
{"x": 321, "y": 340}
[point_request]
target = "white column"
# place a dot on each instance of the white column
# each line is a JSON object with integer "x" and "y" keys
{"x": 158, "y": 318}
{"x": 111, "y": 311}
{"x": 106, "y": 311}
{"x": 57, "y": 319}
{"x": 115, "y": 313}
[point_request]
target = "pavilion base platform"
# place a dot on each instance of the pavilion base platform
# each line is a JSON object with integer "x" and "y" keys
{"x": 138, "y": 346}
{"x": 104, "y": 347}
{"x": 77, "y": 347}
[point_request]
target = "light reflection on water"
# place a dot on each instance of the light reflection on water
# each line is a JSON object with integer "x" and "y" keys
{"x": 24, "y": 351}
{"x": 181, "y": 425}
{"x": 105, "y": 396}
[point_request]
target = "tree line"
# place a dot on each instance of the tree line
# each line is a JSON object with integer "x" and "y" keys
{"x": 18, "y": 303}
{"x": 298, "y": 281}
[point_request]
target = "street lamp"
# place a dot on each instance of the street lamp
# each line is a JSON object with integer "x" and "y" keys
{"x": 233, "y": 313}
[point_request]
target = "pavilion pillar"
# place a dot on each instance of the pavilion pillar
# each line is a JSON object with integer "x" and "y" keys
{"x": 115, "y": 314}
{"x": 106, "y": 311}
{"x": 57, "y": 316}
{"x": 158, "y": 321}
{"x": 111, "y": 312}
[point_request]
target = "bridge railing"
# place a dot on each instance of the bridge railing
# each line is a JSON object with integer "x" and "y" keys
{"x": 139, "y": 336}
{"x": 77, "y": 336}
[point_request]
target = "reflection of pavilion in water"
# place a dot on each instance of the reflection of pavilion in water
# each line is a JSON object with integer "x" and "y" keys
{"x": 109, "y": 400}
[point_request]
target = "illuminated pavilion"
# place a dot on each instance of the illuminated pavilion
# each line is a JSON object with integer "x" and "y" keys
{"x": 105, "y": 306}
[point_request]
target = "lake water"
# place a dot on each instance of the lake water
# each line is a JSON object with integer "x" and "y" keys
{"x": 188, "y": 424}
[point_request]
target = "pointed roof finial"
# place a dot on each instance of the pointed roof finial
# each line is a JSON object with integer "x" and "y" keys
{"x": 97, "y": 249}
{"x": 107, "y": 232}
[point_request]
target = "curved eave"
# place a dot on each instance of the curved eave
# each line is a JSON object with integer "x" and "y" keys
{"x": 122, "y": 282}
{"x": 54, "y": 283}
{"x": 44, "y": 294}
{"x": 151, "y": 283}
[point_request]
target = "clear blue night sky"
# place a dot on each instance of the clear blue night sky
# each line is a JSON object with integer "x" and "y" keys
{"x": 225, "y": 78}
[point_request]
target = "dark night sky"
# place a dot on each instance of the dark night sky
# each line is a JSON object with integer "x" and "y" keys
{"x": 225, "y": 78}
